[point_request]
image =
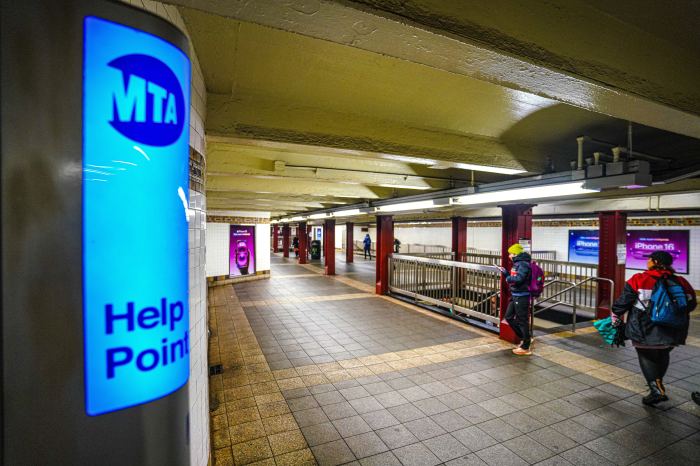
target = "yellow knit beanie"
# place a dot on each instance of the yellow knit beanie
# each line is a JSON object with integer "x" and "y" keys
{"x": 516, "y": 249}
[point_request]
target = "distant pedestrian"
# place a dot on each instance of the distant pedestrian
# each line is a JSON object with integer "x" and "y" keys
{"x": 696, "y": 397}
{"x": 397, "y": 245}
{"x": 518, "y": 310}
{"x": 654, "y": 339}
{"x": 295, "y": 245}
{"x": 367, "y": 243}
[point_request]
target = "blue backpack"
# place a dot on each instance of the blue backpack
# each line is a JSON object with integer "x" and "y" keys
{"x": 668, "y": 305}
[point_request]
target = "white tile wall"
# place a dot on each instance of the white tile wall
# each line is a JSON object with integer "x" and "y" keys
{"x": 262, "y": 247}
{"x": 218, "y": 239}
{"x": 199, "y": 370}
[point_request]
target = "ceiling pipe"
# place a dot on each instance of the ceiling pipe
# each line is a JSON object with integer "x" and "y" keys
{"x": 641, "y": 155}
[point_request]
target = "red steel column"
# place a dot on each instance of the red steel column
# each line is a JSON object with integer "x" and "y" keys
{"x": 517, "y": 225}
{"x": 285, "y": 240}
{"x": 385, "y": 245}
{"x": 275, "y": 238}
{"x": 459, "y": 237}
{"x": 349, "y": 242}
{"x": 303, "y": 243}
{"x": 612, "y": 255}
{"x": 329, "y": 245}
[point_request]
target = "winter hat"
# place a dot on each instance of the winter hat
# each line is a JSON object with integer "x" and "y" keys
{"x": 516, "y": 249}
{"x": 661, "y": 258}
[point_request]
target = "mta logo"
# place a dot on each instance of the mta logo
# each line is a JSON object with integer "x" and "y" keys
{"x": 149, "y": 108}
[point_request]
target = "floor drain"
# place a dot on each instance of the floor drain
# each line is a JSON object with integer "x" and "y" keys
{"x": 216, "y": 369}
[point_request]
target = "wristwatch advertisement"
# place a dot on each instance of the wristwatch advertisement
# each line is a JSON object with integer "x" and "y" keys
{"x": 242, "y": 250}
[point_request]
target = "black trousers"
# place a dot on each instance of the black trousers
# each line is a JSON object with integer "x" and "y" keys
{"x": 518, "y": 317}
{"x": 368, "y": 251}
{"x": 654, "y": 362}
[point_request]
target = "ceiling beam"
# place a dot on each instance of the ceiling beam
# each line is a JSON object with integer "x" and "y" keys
{"x": 377, "y": 31}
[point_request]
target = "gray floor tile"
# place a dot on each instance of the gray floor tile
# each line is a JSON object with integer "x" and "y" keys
{"x": 474, "y": 438}
{"x": 467, "y": 460}
{"x": 354, "y": 393}
{"x": 405, "y": 413}
{"x": 450, "y": 421}
{"x": 401, "y": 383}
{"x": 377, "y": 388}
{"x": 339, "y": 411}
{"x": 475, "y": 414}
{"x": 498, "y": 455}
{"x": 310, "y": 417}
{"x": 424, "y": 428}
{"x": 332, "y": 453}
{"x": 446, "y": 447}
{"x": 454, "y": 400}
{"x": 390, "y": 399}
{"x": 366, "y": 405}
{"x": 414, "y": 393}
{"x": 528, "y": 449}
{"x": 351, "y": 426}
{"x": 300, "y": 404}
{"x": 367, "y": 444}
{"x": 382, "y": 459}
{"x": 498, "y": 429}
{"x": 329, "y": 398}
{"x": 431, "y": 406}
{"x": 380, "y": 419}
{"x": 582, "y": 456}
{"x": 552, "y": 439}
{"x": 613, "y": 451}
{"x": 396, "y": 436}
{"x": 416, "y": 454}
{"x": 320, "y": 433}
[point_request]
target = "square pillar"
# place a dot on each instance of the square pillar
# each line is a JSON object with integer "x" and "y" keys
{"x": 285, "y": 240}
{"x": 275, "y": 238}
{"x": 349, "y": 242}
{"x": 303, "y": 243}
{"x": 612, "y": 255}
{"x": 384, "y": 247}
{"x": 517, "y": 225}
{"x": 329, "y": 246}
{"x": 459, "y": 237}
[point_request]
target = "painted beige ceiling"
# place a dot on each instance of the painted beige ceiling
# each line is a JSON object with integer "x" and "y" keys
{"x": 297, "y": 121}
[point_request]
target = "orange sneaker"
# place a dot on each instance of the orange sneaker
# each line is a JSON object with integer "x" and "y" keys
{"x": 522, "y": 352}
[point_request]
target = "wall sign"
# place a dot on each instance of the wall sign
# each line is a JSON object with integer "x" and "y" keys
{"x": 641, "y": 243}
{"x": 583, "y": 246}
{"x": 242, "y": 250}
{"x": 136, "y": 101}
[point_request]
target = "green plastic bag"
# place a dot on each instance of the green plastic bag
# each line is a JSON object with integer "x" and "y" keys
{"x": 606, "y": 330}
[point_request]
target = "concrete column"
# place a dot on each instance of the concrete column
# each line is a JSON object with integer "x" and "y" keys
{"x": 303, "y": 243}
{"x": 385, "y": 245}
{"x": 275, "y": 238}
{"x": 285, "y": 240}
{"x": 612, "y": 254}
{"x": 349, "y": 242}
{"x": 459, "y": 237}
{"x": 517, "y": 225}
{"x": 329, "y": 245}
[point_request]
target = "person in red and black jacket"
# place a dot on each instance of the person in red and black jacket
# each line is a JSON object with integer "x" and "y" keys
{"x": 652, "y": 342}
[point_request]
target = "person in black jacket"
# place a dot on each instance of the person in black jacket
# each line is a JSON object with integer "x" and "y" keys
{"x": 652, "y": 342}
{"x": 518, "y": 311}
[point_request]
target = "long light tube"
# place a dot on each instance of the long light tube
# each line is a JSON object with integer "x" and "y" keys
{"x": 315, "y": 216}
{"x": 346, "y": 213}
{"x": 406, "y": 206}
{"x": 535, "y": 192}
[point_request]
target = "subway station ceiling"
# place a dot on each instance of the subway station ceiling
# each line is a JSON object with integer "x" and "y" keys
{"x": 315, "y": 104}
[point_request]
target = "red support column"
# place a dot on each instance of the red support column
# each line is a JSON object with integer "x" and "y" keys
{"x": 612, "y": 255}
{"x": 275, "y": 238}
{"x": 517, "y": 225}
{"x": 384, "y": 247}
{"x": 349, "y": 242}
{"x": 329, "y": 245}
{"x": 459, "y": 237}
{"x": 285, "y": 240}
{"x": 303, "y": 243}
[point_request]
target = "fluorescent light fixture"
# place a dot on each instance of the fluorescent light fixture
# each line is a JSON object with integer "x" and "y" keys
{"x": 416, "y": 205}
{"x": 284, "y": 220}
{"x": 346, "y": 213}
{"x": 314, "y": 216}
{"x": 298, "y": 218}
{"x": 405, "y": 186}
{"x": 477, "y": 168}
{"x": 534, "y": 192}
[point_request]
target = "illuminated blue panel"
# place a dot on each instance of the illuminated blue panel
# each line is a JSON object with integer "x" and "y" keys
{"x": 136, "y": 101}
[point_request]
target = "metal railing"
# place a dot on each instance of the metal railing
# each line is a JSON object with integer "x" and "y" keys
{"x": 465, "y": 290}
{"x": 567, "y": 287}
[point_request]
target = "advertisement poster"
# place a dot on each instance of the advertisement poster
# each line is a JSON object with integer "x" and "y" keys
{"x": 641, "y": 243}
{"x": 242, "y": 250}
{"x": 583, "y": 246}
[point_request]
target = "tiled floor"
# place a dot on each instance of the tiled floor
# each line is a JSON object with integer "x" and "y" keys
{"x": 317, "y": 370}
